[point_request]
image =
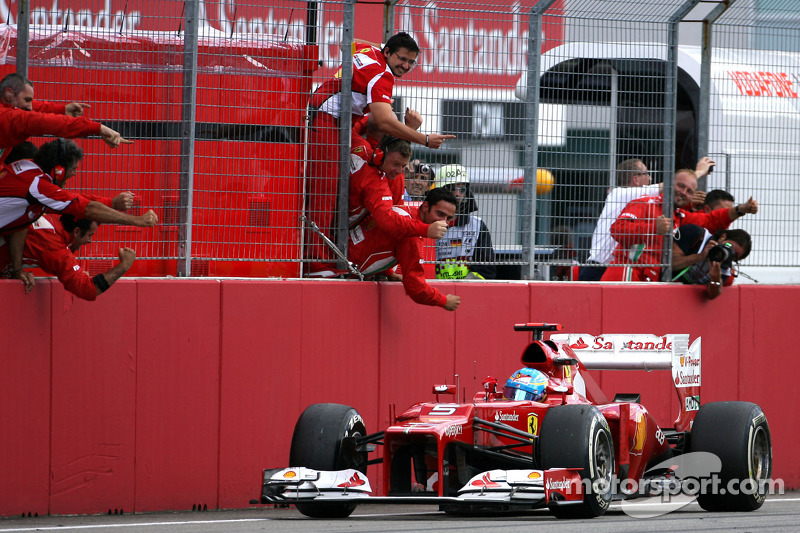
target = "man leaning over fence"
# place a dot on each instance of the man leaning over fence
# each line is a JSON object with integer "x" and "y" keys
{"x": 17, "y": 91}
{"x": 376, "y": 252}
{"x": 633, "y": 181}
{"x": 640, "y": 227}
{"x": 17, "y": 124}
{"x": 51, "y": 245}
{"x": 376, "y": 186}
{"x": 374, "y": 71}
{"x": 28, "y": 187}
{"x": 700, "y": 259}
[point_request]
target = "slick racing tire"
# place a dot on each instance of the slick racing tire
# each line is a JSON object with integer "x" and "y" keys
{"x": 737, "y": 433}
{"x": 577, "y": 436}
{"x": 317, "y": 443}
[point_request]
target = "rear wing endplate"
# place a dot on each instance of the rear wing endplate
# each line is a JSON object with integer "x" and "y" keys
{"x": 645, "y": 352}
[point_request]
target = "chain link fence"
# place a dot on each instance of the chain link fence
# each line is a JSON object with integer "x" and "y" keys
{"x": 754, "y": 124}
{"x": 546, "y": 99}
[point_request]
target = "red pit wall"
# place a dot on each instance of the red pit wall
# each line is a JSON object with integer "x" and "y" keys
{"x": 168, "y": 394}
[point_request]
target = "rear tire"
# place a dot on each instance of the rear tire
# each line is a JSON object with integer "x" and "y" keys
{"x": 737, "y": 433}
{"x": 317, "y": 444}
{"x": 577, "y": 436}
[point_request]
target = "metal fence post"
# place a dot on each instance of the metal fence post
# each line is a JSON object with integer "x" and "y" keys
{"x": 531, "y": 162}
{"x": 23, "y": 36}
{"x": 388, "y": 19}
{"x": 670, "y": 126}
{"x": 703, "y": 112}
{"x": 612, "y": 133}
{"x": 188, "y": 123}
{"x": 345, "y": 125}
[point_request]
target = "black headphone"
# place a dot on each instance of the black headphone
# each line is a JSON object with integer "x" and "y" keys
{"x": 379, "y": 154}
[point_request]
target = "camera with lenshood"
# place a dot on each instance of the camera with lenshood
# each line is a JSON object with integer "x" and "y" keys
{"x": 722, "y": 253}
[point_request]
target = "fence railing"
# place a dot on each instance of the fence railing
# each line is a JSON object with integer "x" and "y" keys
{"x": 545, "y": 99}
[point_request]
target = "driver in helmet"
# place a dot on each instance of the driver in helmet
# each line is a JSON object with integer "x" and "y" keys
{"x": 526, "y": 384}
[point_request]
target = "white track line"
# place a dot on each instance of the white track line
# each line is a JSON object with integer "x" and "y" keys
{"x": 137, "y": 524}
{"x": 190, "y": 522}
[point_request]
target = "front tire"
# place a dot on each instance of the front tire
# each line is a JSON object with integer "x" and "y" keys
{"x": 317, "y": 442}
{"x": 737, "y": 433}
{"x": 577, "y": 436}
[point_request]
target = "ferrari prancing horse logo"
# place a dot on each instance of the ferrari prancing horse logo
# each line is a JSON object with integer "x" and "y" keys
{"x": 533, "y": 424}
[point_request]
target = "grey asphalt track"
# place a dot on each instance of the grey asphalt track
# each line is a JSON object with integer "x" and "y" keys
{"x": 780, "y": 513}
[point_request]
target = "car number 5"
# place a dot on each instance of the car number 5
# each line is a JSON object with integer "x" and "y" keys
{"x": 443, "y": 410}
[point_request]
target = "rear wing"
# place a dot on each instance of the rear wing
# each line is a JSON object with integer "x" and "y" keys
{"x": 645, "y": 352}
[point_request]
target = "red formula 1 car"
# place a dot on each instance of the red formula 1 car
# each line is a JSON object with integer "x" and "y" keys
{"x": 548, "y": 438}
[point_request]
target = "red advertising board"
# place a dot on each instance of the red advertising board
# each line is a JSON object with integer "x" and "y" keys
{"x": 456, "y": 42}
{"x": 488, "y": 41}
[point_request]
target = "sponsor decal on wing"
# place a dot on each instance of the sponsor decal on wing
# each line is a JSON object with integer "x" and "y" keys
{"x": 354, "y": 481}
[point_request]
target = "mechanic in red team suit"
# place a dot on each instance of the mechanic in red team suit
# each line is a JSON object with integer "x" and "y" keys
{"x": 640, "y": 227}
{"x": 367, "y": 136}
{"x": 28, "y": 187}
{"x": 374, "y": 71}
{"x": 375, "y": 252}
{"x": 27, "y": 150}
{"x": 17, "y": 91}
{"x": 377, "y": 185}
{"x": 51, "y": 245}
{"x": 19, "y": 123}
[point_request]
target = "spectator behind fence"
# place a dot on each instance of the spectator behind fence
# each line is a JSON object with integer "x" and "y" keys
{"x": 633, "y": 181}
{"x": 375, "y": 252}
{"x": 374, "y": 71}
{"x": 639, "y": 229}
{"x": 699, "y": 259}
{"x": 51, "y": 245}
{"x": 28, "y": 187}
{"x": 468, "y": 240}
{"x": 419, "y": 180}
{"x": 17, "y": 91}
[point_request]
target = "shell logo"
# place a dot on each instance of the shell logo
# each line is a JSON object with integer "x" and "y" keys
{"x": 290, "y": 474}
{"x": 534, "y": 475}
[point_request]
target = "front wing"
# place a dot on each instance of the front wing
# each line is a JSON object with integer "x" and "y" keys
{"x": 531, "y": 488}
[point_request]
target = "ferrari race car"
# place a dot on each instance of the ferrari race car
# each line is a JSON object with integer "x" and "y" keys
{"x": 548, "y": 438}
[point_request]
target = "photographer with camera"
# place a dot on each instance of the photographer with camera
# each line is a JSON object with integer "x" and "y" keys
{"x": 699, "y": 259}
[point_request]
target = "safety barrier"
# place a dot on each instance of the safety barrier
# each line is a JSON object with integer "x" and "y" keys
{"x": 132, "y": 404}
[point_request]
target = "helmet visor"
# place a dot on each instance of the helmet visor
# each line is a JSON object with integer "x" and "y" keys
{"x": 513, "y": 393}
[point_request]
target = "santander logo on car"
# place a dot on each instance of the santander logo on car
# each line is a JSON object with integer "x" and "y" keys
{"x": 638, "y": 343}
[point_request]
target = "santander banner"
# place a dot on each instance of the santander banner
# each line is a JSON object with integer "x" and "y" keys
{"x": 468, "y": 47}
{"x": 457, "y": 45}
